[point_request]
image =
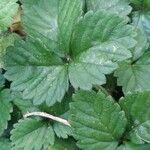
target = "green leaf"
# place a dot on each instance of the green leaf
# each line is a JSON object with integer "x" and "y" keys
{"x": 23, "y": 105}
{"x": 27, "y": 4}
{"x": 95, "y": 28}
{"x": 59, "y": 108}
{"x": 69, "y": 13}
{"x": 141, "y": 133}
{"x": 138, "y": 116}
{"x": 5, "y": 110}
{"x": 8, "y": 9}
{"x": 55, "y": 19}
{"x": 141, "y": 4}
{"x": 32, "y": 134}
{"x": 5, "y": 144}
{"x": 36, "y": 71}
{"x": 140, "y": 47}
{"x": 131, "y": 146}
{"x": 119, "y": 7}
{"x": 141, "y": 19}
{"x": 60, "y": 144}
{"x": 131, "y": 76}
{"x": 95, "y": 51}
{"x": 97, "y": 121}
{"x": 5, "y": 41}
{"x": 61, "y": 130}
{"x": 86, "y": 74}
{"x": 43, "y": 21}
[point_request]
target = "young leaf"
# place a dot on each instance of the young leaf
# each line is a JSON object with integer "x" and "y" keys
{"x": 32, "y": 134}
{"x": 36, "y": 71}
{"x": 95, "y": 50}
{"x": 5, "y": 144}
{"x": 132, "y": 76}
{"x": 97, "y": 121}
{"x": 119, "y": 7}
{"x": 136, "y": 107}
{"x": 5, "y": 110}
{"x": 8, "y": 9}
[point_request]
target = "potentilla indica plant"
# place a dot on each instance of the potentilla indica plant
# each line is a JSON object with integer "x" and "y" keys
{"x": 74, "y": 75}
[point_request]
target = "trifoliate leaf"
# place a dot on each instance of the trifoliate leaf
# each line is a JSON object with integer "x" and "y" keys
{"x": 141, "y": 19}
{"x": 36, "y": 71}
{"x": 5, "y": 144}
{"x": 97, "y": 121}
{"x": 119, "y": 7}
{"x": 131, "y": 76}
{"x": 8, "y": 9}
{"x": 32, "y": 134}
{"x": 60, "y": 144}
{"x": 5, "y": 109}
{"x": 136, "y": 107}
{"x": 131, "y": 146}
{"x": 69, "y": 13}
{"x": 96, "y": 47}
{"x": 5, "y": 41}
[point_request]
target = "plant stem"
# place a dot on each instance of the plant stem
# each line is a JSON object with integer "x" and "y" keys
{"x": 46, "y": 115}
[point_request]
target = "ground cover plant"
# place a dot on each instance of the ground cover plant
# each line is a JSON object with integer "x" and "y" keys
{"x": 74, "y": 75}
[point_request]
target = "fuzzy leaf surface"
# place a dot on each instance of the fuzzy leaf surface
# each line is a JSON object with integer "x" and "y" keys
{"x": 69, "y": 13}
{"x": 97, "y": 121}
{"x": 95, "y": 51}
{"x": 29, "y": 134}
{"x": 55, "y": 19}
{"x": 119, "y": 7}
{"x": 37, "y": 71}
